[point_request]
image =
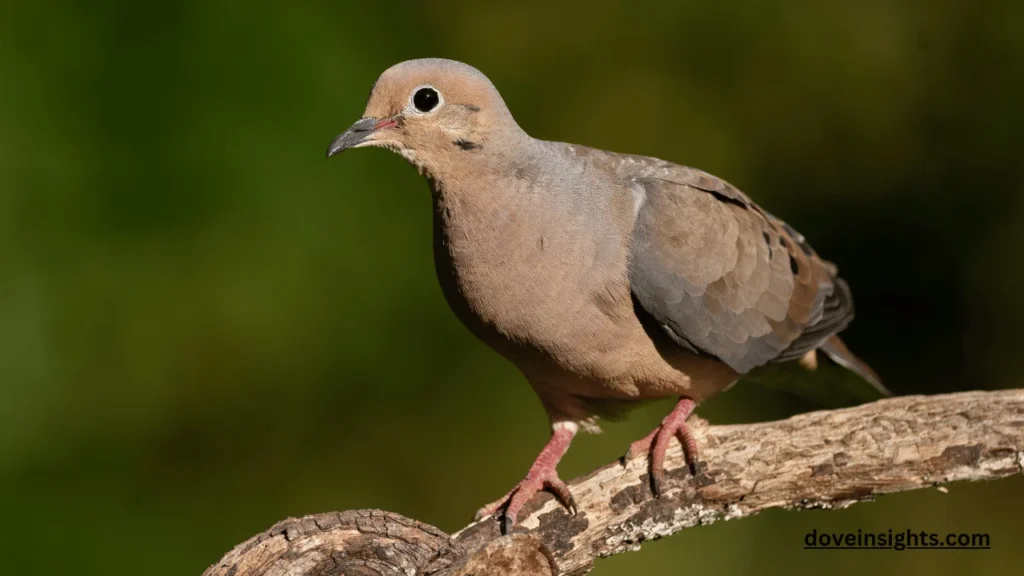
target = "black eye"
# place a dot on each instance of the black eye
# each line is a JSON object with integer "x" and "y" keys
{"x": 425, "y": 99}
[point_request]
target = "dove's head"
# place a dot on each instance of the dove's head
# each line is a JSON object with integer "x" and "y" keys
{"x": 429, "y": 110}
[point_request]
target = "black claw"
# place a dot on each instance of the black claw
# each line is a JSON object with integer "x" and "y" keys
{"x": 695, "y": 468}
{"x": 656, "y": 486}
{"x": 508, "y": 522}
{"x": 563, "y": 495}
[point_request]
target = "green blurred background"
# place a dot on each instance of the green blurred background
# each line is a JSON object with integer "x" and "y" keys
{"x": 205, "y": 327}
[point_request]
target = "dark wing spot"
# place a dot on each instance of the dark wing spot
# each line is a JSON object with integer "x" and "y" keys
{"x": 707, "y": 185}
{"x": 720, "y": 190}
{"x": 726, "y": 199}
{"x": 793, "y": 265}
{"x": 768, "y": 242}
{"x": 467, "y": 145}
{"x": 782, "y": 240}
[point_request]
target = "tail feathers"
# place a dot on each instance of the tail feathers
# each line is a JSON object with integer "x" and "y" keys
{"x": 838, "y": 352}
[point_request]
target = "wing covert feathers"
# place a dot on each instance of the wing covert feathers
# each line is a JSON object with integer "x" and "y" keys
{"x": 726, "y": 278}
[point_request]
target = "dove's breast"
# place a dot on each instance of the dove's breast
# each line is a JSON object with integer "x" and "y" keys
{"x": 537, "y": 279}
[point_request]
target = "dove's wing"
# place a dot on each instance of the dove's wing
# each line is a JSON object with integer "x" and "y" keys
{"x": 724, "y": 277}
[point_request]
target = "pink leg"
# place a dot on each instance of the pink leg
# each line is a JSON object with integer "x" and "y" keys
{"x": 656, "y": 443}
{"x": 542, "y": 476}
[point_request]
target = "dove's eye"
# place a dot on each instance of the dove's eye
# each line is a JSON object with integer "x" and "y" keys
{"x": 426, "y": 99}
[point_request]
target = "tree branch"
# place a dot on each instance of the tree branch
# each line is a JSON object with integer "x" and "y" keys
{"x": 828, "y": 459}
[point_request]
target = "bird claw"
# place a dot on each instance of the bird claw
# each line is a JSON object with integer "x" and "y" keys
{"x": 695, "y": 467}
{"x": 657, "y": 477}
{"x": 508, "y": 522}
{"x": 562, "y": 494}
{"x": 656, "y": 444}
{"x": 537, "y": 480}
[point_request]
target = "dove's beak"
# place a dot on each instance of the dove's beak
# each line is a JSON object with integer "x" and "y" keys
{"x": 358, "y": 134}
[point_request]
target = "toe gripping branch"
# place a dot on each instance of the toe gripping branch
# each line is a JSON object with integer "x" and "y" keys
{"x": 542, "y": 475}
{"x": 656, "y": 443}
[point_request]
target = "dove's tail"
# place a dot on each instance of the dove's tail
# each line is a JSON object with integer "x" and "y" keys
{"x": 838, "y": 352}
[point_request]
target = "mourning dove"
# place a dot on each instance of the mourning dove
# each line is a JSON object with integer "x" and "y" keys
{"x": 606, "y": 278}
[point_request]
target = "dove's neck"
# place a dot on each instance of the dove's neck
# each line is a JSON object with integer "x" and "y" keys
{"x": 496, "y": 188}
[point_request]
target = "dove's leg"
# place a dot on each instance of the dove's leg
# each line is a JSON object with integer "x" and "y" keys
{"x": 542, "y": 476}
{"x": 656, "y": 443}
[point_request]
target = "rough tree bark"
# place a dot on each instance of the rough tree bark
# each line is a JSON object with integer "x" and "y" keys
{"x": 828, "y": 459}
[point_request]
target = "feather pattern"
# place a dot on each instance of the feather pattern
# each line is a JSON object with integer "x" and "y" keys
{"x": 725, "y": 277}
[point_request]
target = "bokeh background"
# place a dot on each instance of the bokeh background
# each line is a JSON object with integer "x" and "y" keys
{"x": 205, "y": 327}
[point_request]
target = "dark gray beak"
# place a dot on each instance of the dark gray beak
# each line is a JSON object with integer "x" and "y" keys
{"x": 359, "y": 132}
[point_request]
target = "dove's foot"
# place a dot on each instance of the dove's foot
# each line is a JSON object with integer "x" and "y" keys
{"x": 656, "y": 443}
{"x": 542, "y": 476}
